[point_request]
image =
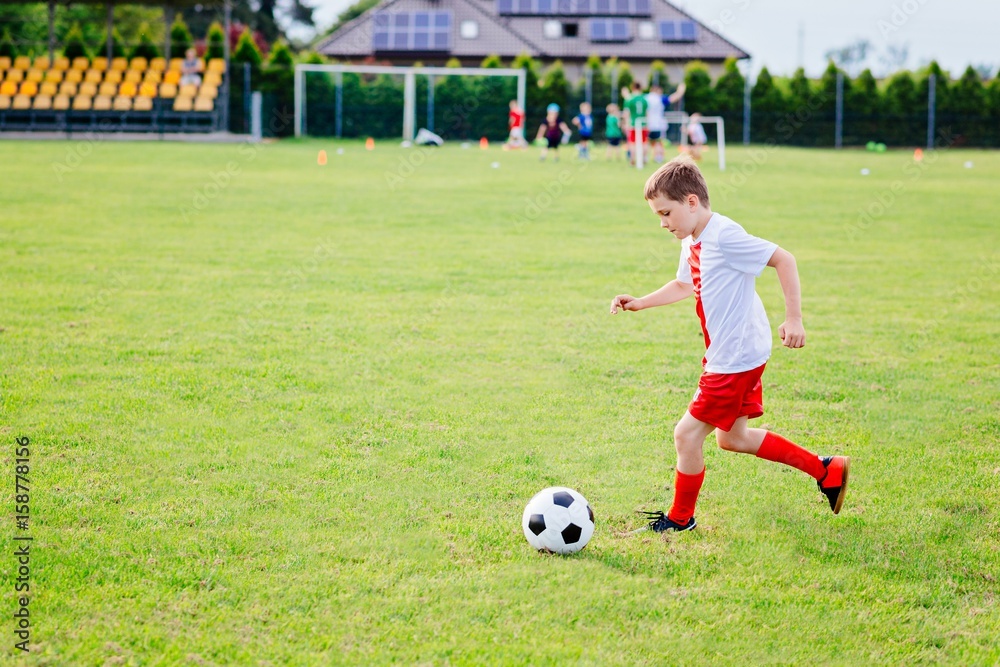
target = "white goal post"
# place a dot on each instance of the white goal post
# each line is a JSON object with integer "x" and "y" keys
{"x": 409, "y": 86}
{"x": 683, "y": 119}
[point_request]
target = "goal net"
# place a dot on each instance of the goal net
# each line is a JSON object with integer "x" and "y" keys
{"x": 381, "y": 101}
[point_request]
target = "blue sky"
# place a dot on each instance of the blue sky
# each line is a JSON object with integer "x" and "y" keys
{"x": 957, "y": 33}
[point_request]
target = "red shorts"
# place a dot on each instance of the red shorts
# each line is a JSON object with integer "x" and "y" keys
{"x": 631, "y": 135}
{"x": 722, "y": 398}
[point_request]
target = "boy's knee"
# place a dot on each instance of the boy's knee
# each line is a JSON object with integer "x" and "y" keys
{"x": 685, "y": 439}
{"x": 726, "y": 440}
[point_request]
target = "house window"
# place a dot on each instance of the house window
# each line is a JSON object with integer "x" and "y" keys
{"x": 469, "y": 30}
{"x": 552, "y": 29}
{"x": 647, "y": 30}
{"x": 570, "y": 29}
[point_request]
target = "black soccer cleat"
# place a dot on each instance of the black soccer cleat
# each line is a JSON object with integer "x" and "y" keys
{"x": 661, "y": 523}
{"x": 834, "y": 482}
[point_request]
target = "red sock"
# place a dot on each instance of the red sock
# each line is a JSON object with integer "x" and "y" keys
{"x": 686, "y": 488}
{"x": 775, "y": 448}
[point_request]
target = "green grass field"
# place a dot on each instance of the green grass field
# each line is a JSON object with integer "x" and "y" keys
{"x": 284, "y": 414}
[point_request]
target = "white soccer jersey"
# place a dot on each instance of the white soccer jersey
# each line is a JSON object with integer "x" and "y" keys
{"x": 723, "y": 264}
{"x": 654, "y": 114}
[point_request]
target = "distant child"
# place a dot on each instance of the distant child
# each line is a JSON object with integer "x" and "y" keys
{"x": 552, "y": 128}
{"x": 656, "y": 117}
{"x": 719, "y": 263}
{"x": 585, "y": 122}
{"x": 613, "y": 132}
{"x": 696, "y": 135}
{"x": 636, "y": 105}
{"x": 515, "y": 123}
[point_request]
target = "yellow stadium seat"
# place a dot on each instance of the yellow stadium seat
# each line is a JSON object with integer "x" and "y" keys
{"x": 35, "y": 75}
{"x": 133, "y": 76}
{"x": 82, "y": 103}
{"x": 113, "y": 76}
{"x": 87, "y": 89}
{"x": 48, "y": 88}
{"x": 188, "y": 90}
{"x": 4, "y": 101}
{"x": 15, "y": 75}
{"x": 74, "y": 76}
{"x": 173, "y": 76}
{"x": 142, "y": 104}
{"x": 42, "y": 102}
{"x": 102, "y": 103}
{"x": 212, "y": 79}
{"x": 217, "y": 65}
{"x": 183, "y": 104}
{"x": 9, "y": 88}
{"x": 100, "y": 64}
{"x": 61, "y": 102}
{"x": 168, "y": 90}
{"x": 67, "y": 88}
{"x": 139, "y": 64}
{"x": 42, "y": 63}
{"x": 128, "y": 89}
{"x": 204, "y": 104}
{"x": 209, "y": 92}
{"x": 122, "y": 103}
{"x": 22, "y": 62}
{"x": 4, "y": 62}
{"x": 54, "y": 75}
{"x": 152, "y": 76}
{"x": 22, "y": 102}
{"x": 29, "y": 88}
{"x": 94, "y": 76}
{"x": 158, "y": 64}
{"x": 147, "y": 90}
{"x": 177, "y": 64}
{"x": 109, "y": 89}
{"x": 81, "y": 63}
{"x": 61, "y": 64}
{"x": 120, "y": 64}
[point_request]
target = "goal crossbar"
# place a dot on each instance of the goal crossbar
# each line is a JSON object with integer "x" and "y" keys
{"x": 409, "y": 85}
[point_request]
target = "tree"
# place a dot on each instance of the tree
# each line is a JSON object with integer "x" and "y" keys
{"x": 966, "y": 103}
{"x": 73, "y": 44}
{"x": 698, "y": 95}
{"x": 351, "y": 13}
{"x": 863, "y": 108}
{"x": 7, "y": 48}
{"x": 766, "y": 103}
{"x": 800, "y": 91}
{"x": 555, "y": 86}
{"x": 145, "y": 48}
{"x": 729, "y": 88}
{"x": 533, "y": 93}
{"x": 216, "y": 42}
{"x": 900, "y": 125}
{"x": 180, "y": 37}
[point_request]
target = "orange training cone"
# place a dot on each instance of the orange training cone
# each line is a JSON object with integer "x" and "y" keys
{"x": 321, "y": 158}
{"x": 370, "y": 144}
{"x": 918, "y": 154}
{"x": 484, "y": 143}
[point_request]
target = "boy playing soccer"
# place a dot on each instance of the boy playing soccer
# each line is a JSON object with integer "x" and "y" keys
{"x": 718, "y": 265}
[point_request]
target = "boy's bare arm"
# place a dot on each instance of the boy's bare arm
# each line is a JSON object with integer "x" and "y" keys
{"x": 672, "y": 292}
{"x": 792, "y": 333}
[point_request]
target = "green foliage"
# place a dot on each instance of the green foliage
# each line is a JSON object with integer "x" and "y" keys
{"x": 180, "y": 37}
{"x": 145, "y": 48}
{"x": 698, "y": 97}
{"x": 7, "y": 47}
{"x": 246, "y": 51}
{"x": 535, "y": 98}
{"x": 729, "y": 88}
{"x": 968, "y": 95}
{"x": 658, "y": 73}
{"x": 73, "y": 44}
{"x": 800, "y": 92}
{"x": 941, "y": 88}
{"x": 625, "y": 77}
{"x": 555, "y": 87}
{"x": 491, "y": 62}
{"x": 215, "y": 41}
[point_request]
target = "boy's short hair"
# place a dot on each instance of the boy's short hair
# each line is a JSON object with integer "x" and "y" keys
{"x": 676, "y": 180}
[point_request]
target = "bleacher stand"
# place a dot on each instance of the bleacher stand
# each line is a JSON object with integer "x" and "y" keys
{"x": 120, "y": 95}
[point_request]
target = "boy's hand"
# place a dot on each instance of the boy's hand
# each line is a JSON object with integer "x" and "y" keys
{"x": 625, "y": 302}
{"x": 792, "y": 333}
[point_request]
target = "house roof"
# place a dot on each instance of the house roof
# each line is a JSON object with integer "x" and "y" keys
{"x": 510, "y": 36}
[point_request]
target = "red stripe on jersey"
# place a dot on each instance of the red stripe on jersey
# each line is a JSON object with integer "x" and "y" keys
{"x": 694, "y": 261}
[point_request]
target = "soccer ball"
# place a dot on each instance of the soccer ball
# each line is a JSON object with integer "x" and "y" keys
{"x": 558, "y": 520}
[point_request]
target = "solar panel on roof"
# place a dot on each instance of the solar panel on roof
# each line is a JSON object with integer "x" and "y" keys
{"x": 505, "y": 6}
{"x": 642, "y": 8}
{"x": 678, "y": 31}
{"x": 412, "y": 31}
{"x": 602, "y": 7}
{"x": 583, "y": 8}
{"x": 609, "y": 30}
{"x": 621, "y": 7}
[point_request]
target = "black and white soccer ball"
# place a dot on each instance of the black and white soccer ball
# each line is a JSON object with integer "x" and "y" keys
{"x": 558, "y": 520}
